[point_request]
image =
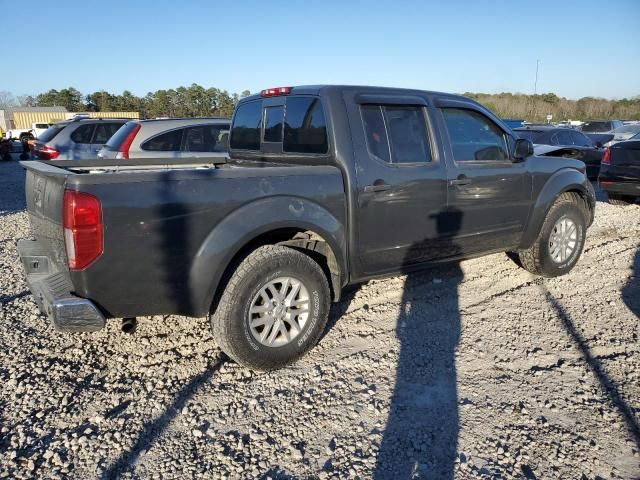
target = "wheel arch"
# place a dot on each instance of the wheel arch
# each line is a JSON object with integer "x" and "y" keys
{"x": 564, "y": 181}
{"x": 295, "y": 222}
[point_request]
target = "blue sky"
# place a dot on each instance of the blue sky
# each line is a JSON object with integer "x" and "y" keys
{"x": 585, "y": 48}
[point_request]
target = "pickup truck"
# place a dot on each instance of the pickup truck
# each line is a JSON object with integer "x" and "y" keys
{"x": 24, "y": 134}
{"x": 324, "y": 187}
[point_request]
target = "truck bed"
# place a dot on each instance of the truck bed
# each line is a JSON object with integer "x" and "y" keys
{"x": 157, "y": 217}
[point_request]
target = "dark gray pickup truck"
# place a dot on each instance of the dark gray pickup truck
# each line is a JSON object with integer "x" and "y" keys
{"x": 326, "y": 186}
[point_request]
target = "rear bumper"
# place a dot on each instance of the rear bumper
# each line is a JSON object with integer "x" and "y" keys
{"x": 52, "y": 292}
{"x": 621, "y": 188}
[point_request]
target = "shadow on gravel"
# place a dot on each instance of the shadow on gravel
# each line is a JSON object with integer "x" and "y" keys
{"x": 151, "y": 431}
{"x": 12, "y": 198}
{"x": 631, "y": 291}
{"x": 607, "y": 385}
{"x": 421, "y": 436}
{"x": 10, "y": 298}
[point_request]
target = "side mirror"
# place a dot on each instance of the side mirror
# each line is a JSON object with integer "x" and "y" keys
{"x": 524, "y": 148}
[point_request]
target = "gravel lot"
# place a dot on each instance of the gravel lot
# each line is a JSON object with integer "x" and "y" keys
{"x": 466, "y": 371}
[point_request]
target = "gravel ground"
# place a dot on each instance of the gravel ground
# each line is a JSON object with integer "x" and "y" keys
{"x": 477, "y": 370}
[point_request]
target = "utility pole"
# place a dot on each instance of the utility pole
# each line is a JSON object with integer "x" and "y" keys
{"x": 535, "y": 92}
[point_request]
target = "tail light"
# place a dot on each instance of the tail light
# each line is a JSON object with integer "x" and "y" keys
{"x": 273, "y": 92}
{"x": 606, "y": 157}
{"x": 82, "y": 223}
{"x": 123, "y": 151}
{"x": 48, "y": 153}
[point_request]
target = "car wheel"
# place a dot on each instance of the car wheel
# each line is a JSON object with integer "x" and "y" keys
{"x": 273, "y": 309}
{"x": 621, "y": 199}
{"x": 559, "y": 244}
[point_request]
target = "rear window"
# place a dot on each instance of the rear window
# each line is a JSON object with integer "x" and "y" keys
{"x": 305, "y": 129}
{"x": 245, "y": 133}
{"x": 595, "y": 127}
{"x": 50, "y": 133}
{"x": 300, "y": 125}
{"x": 116, "y": 140}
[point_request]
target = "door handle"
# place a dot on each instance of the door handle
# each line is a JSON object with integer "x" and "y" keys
{"x": 460, "y": 181}
{"x": 377, "y": 188}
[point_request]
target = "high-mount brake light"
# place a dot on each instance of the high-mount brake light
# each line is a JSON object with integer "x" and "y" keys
{"x": 82, "y": 223}
{"x": 272, "y": 92}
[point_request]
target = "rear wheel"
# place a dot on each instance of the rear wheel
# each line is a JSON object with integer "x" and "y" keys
{"x": 621, "y": 199}
{"x": 559, "y": 244}
{"x": 273, "y": 310}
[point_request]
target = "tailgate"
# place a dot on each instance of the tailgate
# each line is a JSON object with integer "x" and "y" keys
{"x": 44, "y": 190}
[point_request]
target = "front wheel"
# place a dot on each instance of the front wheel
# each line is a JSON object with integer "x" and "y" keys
{"x": 559, "y": 244}
{"x": 273, "y": 309}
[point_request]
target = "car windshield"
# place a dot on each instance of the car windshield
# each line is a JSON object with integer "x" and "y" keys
{"x": 51, "y": 132}
{"x": 595, "y": 127}
{"x": 531, "y": 135}
{"x": 635, "y": 128}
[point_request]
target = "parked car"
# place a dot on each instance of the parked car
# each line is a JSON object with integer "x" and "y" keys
{"x": 601, "y": 126}
{"x": 564, "y": 142}
{"x": 78, "y": 139}
{"x": 169, "y": 138}
{"x": 625, "y": 132}
{"x": 620, "y": 172}
{"x": 22, "y": 134}
{"x": 325, "y": 187}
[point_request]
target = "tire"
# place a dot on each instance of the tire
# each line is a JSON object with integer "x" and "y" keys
{"x": 621, "y": 199}
{"x": 248, "y": 290}
{"x": 539, "y": 258}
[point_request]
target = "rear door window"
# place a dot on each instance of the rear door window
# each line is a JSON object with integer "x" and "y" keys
{"x": 165, "y": 142}
{"x": 247, "y": 122}
{"x": 396, "y": 133}
{"x": 305, "y": 128}
{"x": 83, "y": 133}
{"x": 474, "y": 137}
{"x": 104, "y": 131}
{"x": 205, "y": 138}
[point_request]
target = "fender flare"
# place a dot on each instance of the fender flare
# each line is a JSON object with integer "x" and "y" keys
{"x": 247, "y": 223}
{"x": 564, "y": 180}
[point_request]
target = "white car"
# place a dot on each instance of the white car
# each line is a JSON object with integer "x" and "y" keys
{"x": 30, "y": 133}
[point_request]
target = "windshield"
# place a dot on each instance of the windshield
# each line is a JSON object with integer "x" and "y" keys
{"x": 531, "y": 135}
{"x": 595, "y": 127}
{"x": 51, "y": 132}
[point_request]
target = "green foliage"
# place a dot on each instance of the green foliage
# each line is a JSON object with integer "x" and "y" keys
{"x": 197, "y": 101}
{"x": 192, "y": 101}
{"x": 535, "y": 108}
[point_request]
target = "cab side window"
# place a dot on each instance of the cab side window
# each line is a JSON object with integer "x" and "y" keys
{"x": 474, "y": 137}
{"x": 396, "y": 133}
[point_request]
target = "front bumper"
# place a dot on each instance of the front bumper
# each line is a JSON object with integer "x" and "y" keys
{"x": 52, "y": 292}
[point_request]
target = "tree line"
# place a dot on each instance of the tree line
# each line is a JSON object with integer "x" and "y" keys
{"x": 197, "y": 101}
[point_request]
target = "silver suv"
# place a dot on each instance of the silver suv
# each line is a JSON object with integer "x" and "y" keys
{"x": 169, "y": 138}
{"x": 78, "y": 139}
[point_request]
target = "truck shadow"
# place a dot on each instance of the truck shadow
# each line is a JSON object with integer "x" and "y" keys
{"x": 420, "y": 439}
{"x": 606, "y": 383}
{"x": 152, "y": 430}
{"x": 631, "y": 291}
